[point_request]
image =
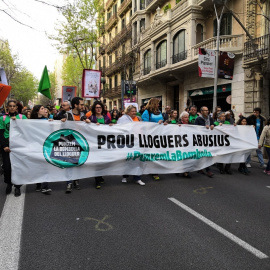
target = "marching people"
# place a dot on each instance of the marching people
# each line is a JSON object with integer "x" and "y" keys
{"x": 242, "y": 166}
{"x": 153, "y": 114}
{"x": 256, "y": 120}
{"x": 66, "y": 106}
{"x": 205, "y": 120}
{"x": 75, "y": 114}
{"x": 114, "y": 116}
{"x": 221, "y": 120}
{"x": 184, "y": 120}
{"x": 39, "y": 112}
{"x": 172, "y": 118}
{"x": 167, "y": 112}
{"x": 215, "y": 113}
{"x": 4, "y": 142}
{"x": 192, "y": 114}
{"x": 130, "y": 117}
{"x": 265, "y": 141}
{"x": 99, "y": 116}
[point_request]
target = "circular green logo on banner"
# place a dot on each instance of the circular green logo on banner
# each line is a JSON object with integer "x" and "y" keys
{"x": 66, "y": 148}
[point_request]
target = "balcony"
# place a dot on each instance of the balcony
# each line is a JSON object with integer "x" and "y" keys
{"x": 262, "y": 49}
{"x": 111, "y": 22}
{"x": 161, "y": 64}
{"x": 114, "y": 92}
{"x": 119, "y": 64}
{"x": 120, "y": 38}
{"x": 152, "y": 5}
{"x": 179, "y": 57}
{"x": 109, "y": 4}
{"x": 103, "y": 70}
{"x": 125, "y": 6}
{"x": 146, "y": 70}
{"x": 229, "y": 43}
{"x": 101, "y": 49}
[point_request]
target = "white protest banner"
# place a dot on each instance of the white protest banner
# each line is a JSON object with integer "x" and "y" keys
{"x": 206, "y": 63}
{"x": 43, "y": 151}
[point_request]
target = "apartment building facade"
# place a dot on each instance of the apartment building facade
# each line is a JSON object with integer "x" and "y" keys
{"x": 115, "y": 57}
{"x": 165, "y": 39}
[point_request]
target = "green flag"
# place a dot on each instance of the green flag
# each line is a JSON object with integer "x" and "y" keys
{"x": 44, "y": 84}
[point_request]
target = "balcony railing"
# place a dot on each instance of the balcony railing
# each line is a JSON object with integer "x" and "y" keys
{"x": 179, "y": 57}
{"x": 124, "y": 60}
{"x": 120, "y": 38}
{"x": 161, "y": 64}
{"x": 125, "y": 6}
{"x": 103, "y": 70}
{"x": 109, "y": 4}
{"x": 262, "y": 48}
{"x": 146, "y": 70}
{"x": 111, "y": 22}
{"x": 114, "y": 92}
{"x": 101, "y": 50}
{"x": 148, "y": 2}
{"x": 179, "y": 7}
{"x": 231, "y": 43}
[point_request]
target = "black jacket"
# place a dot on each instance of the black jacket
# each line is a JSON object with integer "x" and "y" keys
{"x": 201, "y": 122}
{"x": 251, "y": 120}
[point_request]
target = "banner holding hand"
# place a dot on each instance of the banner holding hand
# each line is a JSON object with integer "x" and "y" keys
{"x": 44, "y": 84}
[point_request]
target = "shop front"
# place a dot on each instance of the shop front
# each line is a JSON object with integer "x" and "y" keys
{"x": 204, "y": 97}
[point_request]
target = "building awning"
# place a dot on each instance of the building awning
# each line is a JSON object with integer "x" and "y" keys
{"x": 210, "y": 90}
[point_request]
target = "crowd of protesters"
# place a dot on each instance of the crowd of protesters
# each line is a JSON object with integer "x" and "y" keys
{"x": 75, "y": 110}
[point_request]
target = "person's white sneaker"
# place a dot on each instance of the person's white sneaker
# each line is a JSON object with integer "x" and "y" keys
{"x": 263, "y": 166}
{"x": 140, "y": 182}
{"x": 124, "y": 180}
{"x": 248, "y": 165}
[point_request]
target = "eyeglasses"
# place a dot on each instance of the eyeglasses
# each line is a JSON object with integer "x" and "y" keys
{"x": 98, "y": 107}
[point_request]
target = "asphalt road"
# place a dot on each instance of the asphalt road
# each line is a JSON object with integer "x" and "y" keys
{"x": 127, "y": 226}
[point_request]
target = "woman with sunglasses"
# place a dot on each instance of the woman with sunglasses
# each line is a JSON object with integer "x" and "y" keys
{"x": 4, "y": 142}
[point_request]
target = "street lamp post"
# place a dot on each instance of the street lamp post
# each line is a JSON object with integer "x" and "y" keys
{"x": 223, "y": 2}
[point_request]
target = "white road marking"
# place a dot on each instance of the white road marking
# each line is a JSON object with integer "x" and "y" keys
{"x": 232, "y": 237}
{"x": 10, "y": 231}
{"x": 268, "y": 186}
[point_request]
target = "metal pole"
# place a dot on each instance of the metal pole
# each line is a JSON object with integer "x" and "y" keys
{"x": 217, "y": 56}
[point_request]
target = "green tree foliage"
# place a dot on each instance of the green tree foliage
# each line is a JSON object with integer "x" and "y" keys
{"x": 24, "y": 86}
{"x": 8, "y": 61}
{"x": 23, "y": 83}
{"x": 72, "y": 72}
{"x": 76, "y": 35}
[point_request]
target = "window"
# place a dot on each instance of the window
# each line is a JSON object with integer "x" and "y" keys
{"x": 123, "y": 49}
{"x": 225, "y": 25}
{"x": 142, "y": 24}
{"x": 199, "y": 33}
{"x": 123, "y": 24}
{"x": 115, "y": 81}
{"x": 130, "y": 73}
{"x": 116, "y": 55}
{"x": 142, "y": 4}
{"x": 115, "y": 9}
{"x": 110, "y": 59}
{"x": 116, "y": 30}
{"x": 161, "y": 56}
{"x": 179, "y": 52}
{"x": 147, "y": 62}
{"x": 110, "y": 83}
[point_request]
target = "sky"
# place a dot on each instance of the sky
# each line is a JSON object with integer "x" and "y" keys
{"x": 35, "y": 50}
